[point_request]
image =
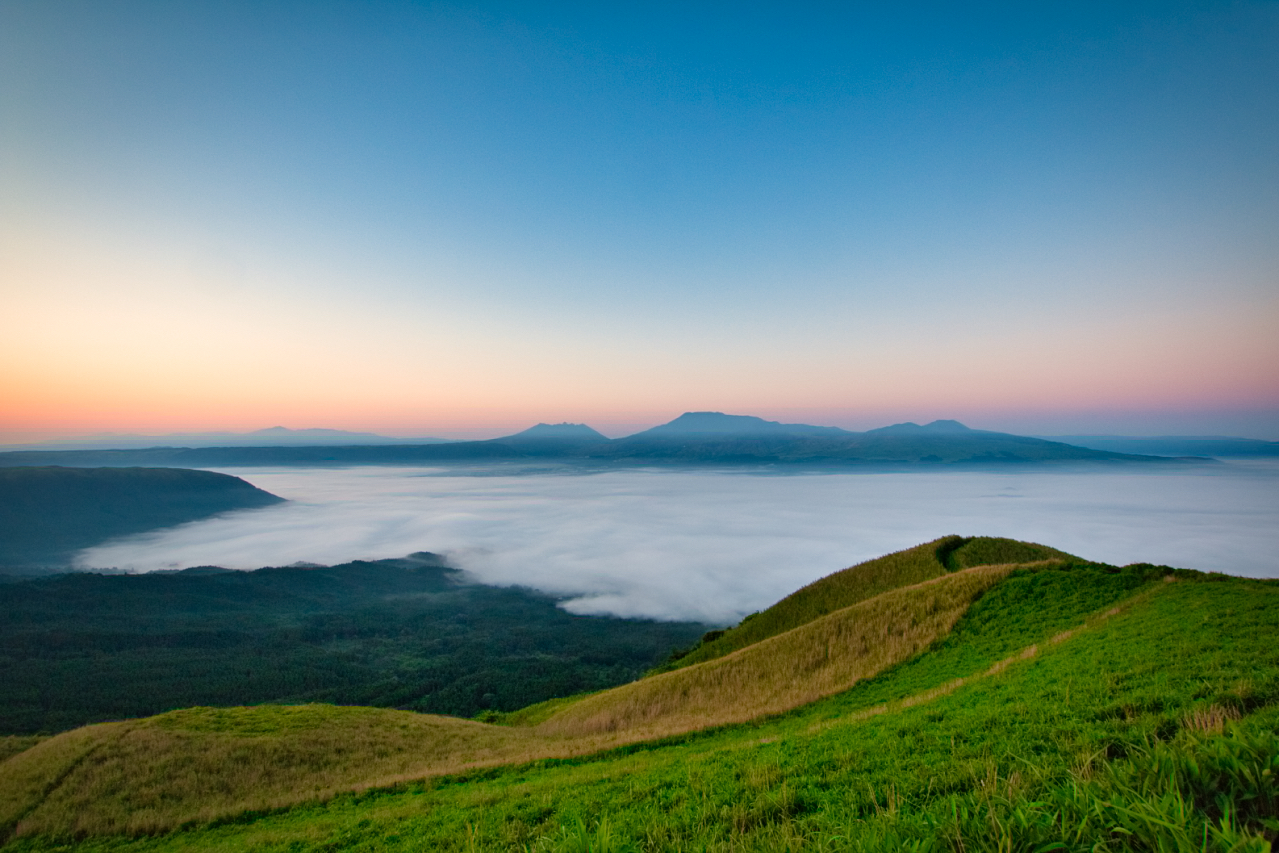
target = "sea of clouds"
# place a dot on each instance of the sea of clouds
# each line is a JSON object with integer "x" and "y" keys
{"x": 714, "y": 546}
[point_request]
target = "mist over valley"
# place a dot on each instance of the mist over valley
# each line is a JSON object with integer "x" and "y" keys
{"x": 713, "y": 546}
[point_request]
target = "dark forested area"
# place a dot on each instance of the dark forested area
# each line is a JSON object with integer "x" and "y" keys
{"x": 409, "y": 633}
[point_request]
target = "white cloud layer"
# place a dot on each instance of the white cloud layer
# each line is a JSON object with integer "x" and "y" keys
{"x": 715, "y": 545}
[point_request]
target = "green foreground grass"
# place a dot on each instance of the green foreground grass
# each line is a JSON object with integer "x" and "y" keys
{"x": 1071, "y": 709}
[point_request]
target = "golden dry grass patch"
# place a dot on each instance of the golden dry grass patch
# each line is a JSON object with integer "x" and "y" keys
{"x": 828, "y": 594}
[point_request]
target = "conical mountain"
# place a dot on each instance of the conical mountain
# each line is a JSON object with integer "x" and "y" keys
{"x": 577, "y": 432}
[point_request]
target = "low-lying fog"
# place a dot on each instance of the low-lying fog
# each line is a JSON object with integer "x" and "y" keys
{"x": 714, "y": 546}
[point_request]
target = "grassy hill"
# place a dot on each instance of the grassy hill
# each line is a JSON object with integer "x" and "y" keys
{"x": 48, "y": 514}
{"x": 863, "y": 581}
{"x": 1065, "y": 706}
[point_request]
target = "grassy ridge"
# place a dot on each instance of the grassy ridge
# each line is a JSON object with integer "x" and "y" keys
{"x": 195, "y": 765}
{"x": 824, "y": 656}
{"x": 991, "y": 550}
{"x": 1123, "y": 735}
{"x": 864, "y": 581}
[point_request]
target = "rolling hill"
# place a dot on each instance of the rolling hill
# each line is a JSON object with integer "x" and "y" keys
{"x": 1054, "y": 704}
{"x": 863, "y": 581}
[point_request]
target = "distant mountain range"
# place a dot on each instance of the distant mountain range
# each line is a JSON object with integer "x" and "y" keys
{"x": 694, "y": 438}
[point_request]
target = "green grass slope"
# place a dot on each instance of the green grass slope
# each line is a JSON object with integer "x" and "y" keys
{"x": 861, "y": 582}
{"x": 1081, "y": 708}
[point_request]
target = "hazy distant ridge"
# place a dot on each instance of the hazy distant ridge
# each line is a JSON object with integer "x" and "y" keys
{"x": 47, "y": 514}
{"x": 1174, "y": 445}
{"x": 277, "y": 436}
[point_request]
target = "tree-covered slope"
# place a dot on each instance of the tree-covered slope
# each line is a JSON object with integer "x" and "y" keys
{"x": 48, "y": 514}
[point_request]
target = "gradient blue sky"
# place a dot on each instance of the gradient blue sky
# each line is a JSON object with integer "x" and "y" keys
{"x": 452, "y": 219}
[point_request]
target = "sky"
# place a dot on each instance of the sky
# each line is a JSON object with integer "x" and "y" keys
{"x": 462, "y": 219}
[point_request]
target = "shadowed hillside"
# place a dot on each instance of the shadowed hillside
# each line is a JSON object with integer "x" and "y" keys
{"x": 48, "y": 514}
